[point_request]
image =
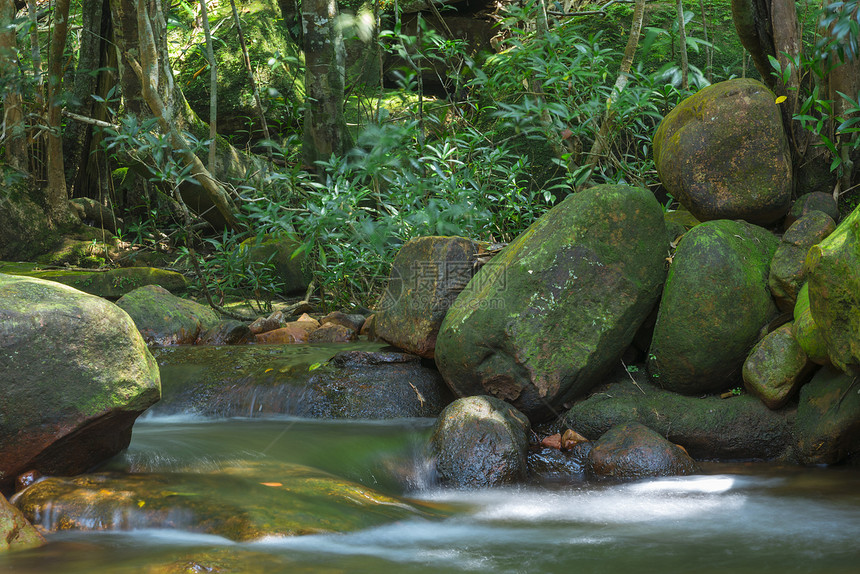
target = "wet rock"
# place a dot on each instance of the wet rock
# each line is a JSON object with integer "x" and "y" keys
{"x": 710, "y": 428}
{"x": 165, "y": 319}
{"x": 777, "y": 367}
{"x": 332, "y": 333}
{"x": 427, "y": 275}
{"x": 239, "y": 502}
{"x": 302, "y": 380}
{"x": 229, "y": 332}
{"x": 723, "y": 153}
{"x": 787, "y": 273}
{"x": 828, "y": 418}
{"x": 809, "y": 202}
{"x": 16, "y": 532}
{"x": 834, "y": 292}
{"x": 294, "y": 332}
{"x": 543, "y": 321}
{"x": 76, "y": 373}
{"x": 480, "y": 442}
{"x": 547, "y": 464}
{"x": 807, "y": 332}
{"x": 632, "y": 451}
{"x": 714, "y": 304}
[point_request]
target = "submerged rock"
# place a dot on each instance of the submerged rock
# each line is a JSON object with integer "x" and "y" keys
{"x": 715, "y": 302}
{"x": 76, "y": 373}
{"x": 723, "y": 153}
{"x": 427, "y": 275}
{"x": 710, "y": 428}
{"x": 543, "y": 321}
{"x": 165, "y": 319}
{"x": 239, "y": 502}
{"x": 301, "y": 380}
{"x": 480, "y": 442}
{"x": 632, "y": 451}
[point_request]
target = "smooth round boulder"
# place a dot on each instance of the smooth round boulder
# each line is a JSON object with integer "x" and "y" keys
{"x": 547, "y": 317}
{"x": 715, "y": 302}
{"x": 777, "y": 367}
{"x": 427, "y": 275}
{"x": 809, "y": 202}
{"x": 787, "y": 268}
{"x": 76, "y": 374}
{"x": 165, "y": 319}
{"x": 632, "y": 451}
{"x": 833, "y": 268}
{"x": 723, "y": 153}
{"x": 480, "y": 442}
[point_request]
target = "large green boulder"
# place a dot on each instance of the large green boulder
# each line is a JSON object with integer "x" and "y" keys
{"x": 544, "y": 320}
{"x": 723, "y": 153}
{"x": 787, "y": 271}
{"x": 427, "y": 275}
{"x": 834, "y": 292}
{"x": 76, "y": 373}
{"x": 710, "y": 428}
{"x": 827, "y": 425}
{"x": 110, "y": 283}
{"x": 165, "y": 319}
{"x": 715, "y": 302}
{"x": 777, "y": 367}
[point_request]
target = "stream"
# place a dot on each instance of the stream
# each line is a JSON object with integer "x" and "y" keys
{"x": 756, "y": 518}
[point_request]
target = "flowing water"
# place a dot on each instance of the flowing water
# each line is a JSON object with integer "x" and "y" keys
{"x": 732, "y": 518}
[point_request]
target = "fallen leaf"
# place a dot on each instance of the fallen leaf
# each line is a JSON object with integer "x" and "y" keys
{"x": 271, "y": 484}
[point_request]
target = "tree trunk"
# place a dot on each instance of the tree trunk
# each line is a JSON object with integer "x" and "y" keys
{"x": 325, "y": 132}
{"x": 682, "y": 40}
{"x": 13, "y": 133}
{"x": 752, "y": 23}
{"x": 213, "y": 87}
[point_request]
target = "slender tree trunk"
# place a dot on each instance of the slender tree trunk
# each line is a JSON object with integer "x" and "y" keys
{"x": 13, "y": 130}
{"x": 682, "y": 38}
{"x": 325, "y": 132}
{"x": 709, "y": 50}
{"x": 213, "y": 86}
{"x": 257, "y": 100}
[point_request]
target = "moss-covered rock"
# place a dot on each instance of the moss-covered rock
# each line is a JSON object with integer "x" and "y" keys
{"x": 480, "y": 442}
{"x": 787, "y": 268}
{"x": 777, "y": 367}
{"x": 25, "y": 230}
{"x": 76, "y": 374}
{"x": 632, "y": 451}
{"x": 809, "y": 202}
{"x": 280, "y": 252}
{"x": 807, "y": 332}
{"x": 306, "y": 381}
{"x": 834, "y": 292}
{"x": 427, "y": 275}
{"x": 715, "y": 302}
{"x": 710, "y": 428}
{"x": 239, "y": 502}
{"x": 16, "y": 533}
{"x": 110, "y": 284}
{"x": 543, "y": 320}
{"x": 828, "y": 418}
{"x": 165, "y": 319}
{"x": 723, "y": 153}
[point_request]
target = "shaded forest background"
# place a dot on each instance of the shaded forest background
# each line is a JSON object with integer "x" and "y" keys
{"x": 186, "y": 132}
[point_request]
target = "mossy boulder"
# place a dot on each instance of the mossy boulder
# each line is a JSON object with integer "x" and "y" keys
{"x": 480, "y": 442}
{"x": 241, "y": 502}
{"x": 809, "y": 202}
{"x": 314, "y": 381}
{"x": 16, "y": 532}
{"x": 632, "y": 451}
{"x": 723, "y": 153}
{"x": 828, "y": 418}
{"x": 111, "y": 283}
{"x": 834, "y": 292}
{"x": 715, "y": 302}
{"x": 165, "y": 319}
{"x": 25, "y": 230}
{"x": 806, "y": 331}
{"x": 427, "y": 275}
{"x": 280, "y": 252}
{"x": 777, "y": 367}
{"x": 710, "y": 428}
{"x": 76, "y": 374}
{"x": 550, "y": 314}
{"x": 787, "y": 268}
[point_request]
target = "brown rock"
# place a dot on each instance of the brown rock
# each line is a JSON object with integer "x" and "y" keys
{"x": 350, "y": 321}
{"x": 295, "y": 332}
{"x": 631, "y": 451}
{"x": 332, "y": 333}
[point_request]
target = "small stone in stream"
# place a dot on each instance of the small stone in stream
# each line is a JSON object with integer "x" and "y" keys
{"x": 332, "y": 333}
